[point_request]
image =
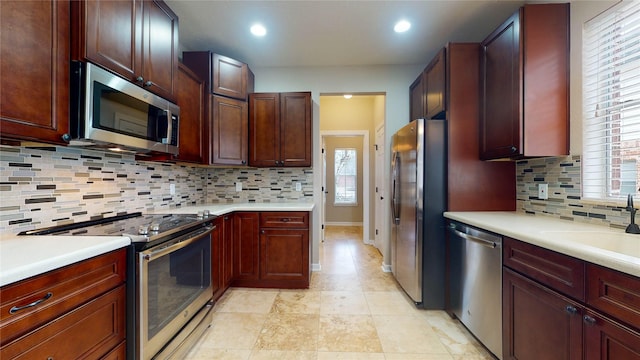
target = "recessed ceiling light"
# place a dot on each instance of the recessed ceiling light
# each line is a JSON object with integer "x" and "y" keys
{"x": 402, "y": 26}
{"x": 347, "y": 96}
{"x": 258, "y": 30}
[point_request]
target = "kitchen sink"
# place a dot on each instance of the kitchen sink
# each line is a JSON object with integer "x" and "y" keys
{"x": 623, "y": 243}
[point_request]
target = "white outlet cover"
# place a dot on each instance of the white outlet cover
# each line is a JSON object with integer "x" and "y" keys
{"x": 172, "y": 189}
{"x": 543, "y": 191}
{"x": 298, "y": 186}
{"x": 238, "y": 186}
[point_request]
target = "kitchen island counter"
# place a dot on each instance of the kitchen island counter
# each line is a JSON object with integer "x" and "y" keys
{"x": 598, "y": 244}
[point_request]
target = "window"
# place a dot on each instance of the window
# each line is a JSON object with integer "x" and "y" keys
{"x": 611, "y": 103}
{"x": 346, "y": 176}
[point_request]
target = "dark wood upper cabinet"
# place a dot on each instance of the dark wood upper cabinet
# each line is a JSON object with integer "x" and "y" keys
{"x": 417, "y": 98}
{"x": 225, "y": 76}
{"x": 427, "y": 93}
{"x": 524, "y": 107}
{"x": 435, "y": 76}
{"x": 135, "y": 39}
{"x": 190, "y": 96}
{"x": 229, "y": 131}
{"x": 34, "y": 48}
{"x": 280, "y": 129}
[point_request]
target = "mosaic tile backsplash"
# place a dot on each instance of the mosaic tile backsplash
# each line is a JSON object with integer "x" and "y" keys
{"x": 41, "y": 187}
{"x": 563, "y": 176}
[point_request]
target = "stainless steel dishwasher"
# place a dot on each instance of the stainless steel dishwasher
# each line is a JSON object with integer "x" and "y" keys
{"x": 475, "y": 282}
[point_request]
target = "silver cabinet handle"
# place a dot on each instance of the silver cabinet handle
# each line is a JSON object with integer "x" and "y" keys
{"x": 475, "y": 239}
{"x": 15, "y": 309}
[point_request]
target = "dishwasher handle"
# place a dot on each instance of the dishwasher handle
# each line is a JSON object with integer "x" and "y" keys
{"x": 483, "y": 242}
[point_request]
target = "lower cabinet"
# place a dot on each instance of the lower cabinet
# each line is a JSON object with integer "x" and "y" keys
{"x": 543, "y": 320}
{"x": 85, "y": 302}
{"x": 227, "y": 251}
{"x": 539, "y": 323}
{"x": 273, "y": 252}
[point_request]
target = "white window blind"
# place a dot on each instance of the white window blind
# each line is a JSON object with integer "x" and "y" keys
{"x": 346, "y": 177}
{"x": 611, "y": 103}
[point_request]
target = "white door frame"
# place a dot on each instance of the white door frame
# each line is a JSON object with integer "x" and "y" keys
{"x": 380, "y": 183}
{"x": 365, "y": 174}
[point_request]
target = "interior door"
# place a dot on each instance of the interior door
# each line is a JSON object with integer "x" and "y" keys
{"x": 323, "y": 175}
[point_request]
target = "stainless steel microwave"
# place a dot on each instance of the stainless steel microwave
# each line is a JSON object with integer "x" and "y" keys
{"x": 112, "y": 113}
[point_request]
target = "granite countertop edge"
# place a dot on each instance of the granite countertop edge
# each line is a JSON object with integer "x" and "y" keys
{"x": 549, "y": 232}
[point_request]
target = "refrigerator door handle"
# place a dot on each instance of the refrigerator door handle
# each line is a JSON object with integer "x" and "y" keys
{"x": 395, "y": 210}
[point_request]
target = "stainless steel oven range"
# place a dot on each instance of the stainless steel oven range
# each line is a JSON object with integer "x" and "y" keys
{"x": 169, "y": 284}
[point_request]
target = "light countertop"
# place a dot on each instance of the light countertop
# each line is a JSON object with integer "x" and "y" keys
{"x": 22, "y": 257}
{"x": 221, "y": 209}
{"x": 597, "y": 244}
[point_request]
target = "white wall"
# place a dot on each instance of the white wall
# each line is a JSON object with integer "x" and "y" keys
{"x": 393, "y": 81}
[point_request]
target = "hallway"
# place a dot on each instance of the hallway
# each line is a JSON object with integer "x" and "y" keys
{"x": 352, "y": 310}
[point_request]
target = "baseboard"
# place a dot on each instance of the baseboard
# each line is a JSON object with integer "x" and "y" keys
{"x": 343, "y": 223}
{"x": 370, "y": 242}
{"x": 316, "y": 267}
{"x": 386, "y": 268}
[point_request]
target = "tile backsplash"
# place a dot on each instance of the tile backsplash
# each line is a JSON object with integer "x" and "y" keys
{"x": 41, "y": 187}
{"x": 563, "y": 175}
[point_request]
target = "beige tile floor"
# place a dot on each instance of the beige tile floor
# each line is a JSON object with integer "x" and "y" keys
{"x": 352, "y": 310}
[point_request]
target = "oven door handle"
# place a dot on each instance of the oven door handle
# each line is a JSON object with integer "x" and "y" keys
{"x": 192, "y": 237}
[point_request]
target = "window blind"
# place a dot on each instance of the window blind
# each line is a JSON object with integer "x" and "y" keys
{"x": 611, "y": 103}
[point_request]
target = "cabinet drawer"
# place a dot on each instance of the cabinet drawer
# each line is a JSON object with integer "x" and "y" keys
{"x": 69, "y": 287}
{"x": 89, "y": 332}
{"x": 281, "y": 219}
{"x": 560, "y": 272}
{"x": 614, "y": 293}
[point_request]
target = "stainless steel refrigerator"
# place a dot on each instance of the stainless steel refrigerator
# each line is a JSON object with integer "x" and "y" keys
{"x": 418, "y": 199}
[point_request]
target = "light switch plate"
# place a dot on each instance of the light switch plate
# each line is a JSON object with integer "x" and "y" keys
{"x": 172, "y": 189}
{"x": 238, "y": 186}
{"x": 298, "y": 186}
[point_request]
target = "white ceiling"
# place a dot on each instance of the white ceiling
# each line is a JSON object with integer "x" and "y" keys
{"x": 334, "y": 33}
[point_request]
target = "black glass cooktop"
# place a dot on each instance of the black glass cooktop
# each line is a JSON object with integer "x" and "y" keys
{"x": 140, "y": 228}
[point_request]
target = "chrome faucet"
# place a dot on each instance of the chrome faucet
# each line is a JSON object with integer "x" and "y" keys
{"x": 632, "y": 228}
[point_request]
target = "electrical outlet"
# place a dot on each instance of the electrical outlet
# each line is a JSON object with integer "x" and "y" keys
{"x": 543, "y": 191}
{"x": 298, "y": 186}
{"x": 238, "y": 186}
{"x": 172, "y": 189}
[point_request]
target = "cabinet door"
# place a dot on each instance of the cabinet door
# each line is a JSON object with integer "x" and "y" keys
{"x": 227, "y": 249}
{"x": 501, "y": 91}
{"x": 295, "y": 129}
{"x": 539, "y": 323}
{"x": 245, "y": 246}
{"x": 607, "y": 340}
{"x": 109, "y": 33}
{"x": 229, "y": 77}
{"x": 284, "y": 254}
{"x": 229, "y": 131}
{"x": 190, "y": 96}
{"x": 435, "y": 87}
{"x": 264, "y": 129}
{"x": 159, "y": 48}
{"x": 216, "y": 259}
{"x": 89, "y": 332}
{"x": 34, "y": 48}
{"x": 417, "y": 98}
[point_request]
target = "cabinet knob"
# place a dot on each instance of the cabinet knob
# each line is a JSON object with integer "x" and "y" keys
{"x": 148, "y": 83}
{"x": 285, "y": 219}
{"x": 66, "y": 137}
{"x": 514, "y": 149}
{"x": 589, "y": 320}
{"x": 261, "y": 231}
{"x": 139, "y": 79}
{"x": 571, "y": 309}
{"x": 244, "y": 162}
